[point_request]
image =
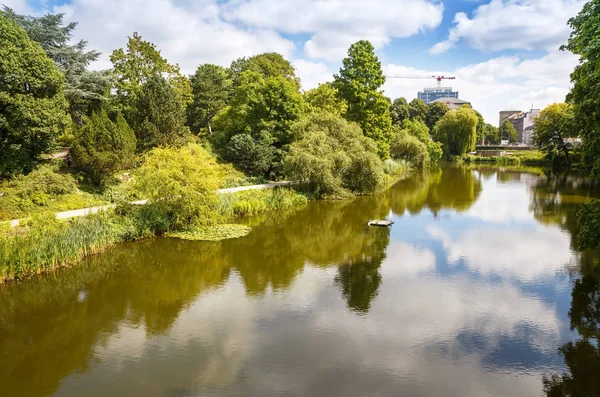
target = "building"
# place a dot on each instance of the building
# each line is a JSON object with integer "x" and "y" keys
{"x": 429, "y": 95}
{"x": 452, "y": 103}
{"x": 523, "y": 123}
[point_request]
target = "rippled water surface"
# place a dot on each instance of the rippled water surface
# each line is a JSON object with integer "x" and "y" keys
{"x": 475, "y": 291}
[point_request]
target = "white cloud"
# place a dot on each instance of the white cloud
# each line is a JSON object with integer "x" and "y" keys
{"x": 513, "y": 24}
{"x": 496, "y": 84}
{"x": 311, "y": 73}
{"x": 335, "y": 24}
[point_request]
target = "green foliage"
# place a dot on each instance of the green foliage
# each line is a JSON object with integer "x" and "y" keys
{"x": 507, "y": 131}
{"x": 491, "y": 134}
{"x": 588, "y": 221}
{"x": 419, "y": 130}
{"x": 182, "y": 183}
{"x": 456, "y": 130}
{"x": 520, "y": 157}
{"x": 211, "y": 88}
{"x": 139, "y": 63}
{"x": 270, "y": 64}
{"x": 435, "y": 112}
{"x": 212, "y": 233}
{"x": 44, "y": 189}
{"x": 333, "y": 158}
{"x": 325, "y": 98}
{"x": 410, "y": 148}
{"x": 160, "y": 116}
{"x": 32, "y": 103}
{"x": 418, "y": 110}
{"x": 359, "y": 82}
{"x": 554, "y": 124}
{"x": 85, "y": 90}
{"x": 585, "y": 92}
{"x": 399, "y": 111}
{"x": 102, "y": 147}
{"x": 253, "y": 202}
{"x": 263, "y": 110}
{"x": 480, "y": 127}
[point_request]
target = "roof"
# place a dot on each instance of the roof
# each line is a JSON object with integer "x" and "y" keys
{"x": 455, "y": 101}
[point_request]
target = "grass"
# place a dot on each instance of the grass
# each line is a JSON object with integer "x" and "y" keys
{"x": 252, "y": 202}
{"x": 517, "y": 157}
{"x": 213, "y": 233}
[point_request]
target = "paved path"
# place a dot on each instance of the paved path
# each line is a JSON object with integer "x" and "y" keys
{"x": 93, "y": 210}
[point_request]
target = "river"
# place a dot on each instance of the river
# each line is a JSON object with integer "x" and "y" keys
{"x": 476, "y": 290}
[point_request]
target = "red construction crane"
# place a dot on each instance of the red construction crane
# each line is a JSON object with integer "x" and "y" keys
{"x": 438, "y": 78}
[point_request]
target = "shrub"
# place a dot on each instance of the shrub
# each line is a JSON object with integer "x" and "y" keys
{"x": 408, "y": 147}
{"x": 252, "y": 202}
{"x": 249, "y": 155}
{"x": 333, "y": 158}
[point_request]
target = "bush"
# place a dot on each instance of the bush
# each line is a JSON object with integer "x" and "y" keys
{"x": 182, "y": 182}
{"x": 408, "y": 147}
{"x": 249, "y": 155}
{"x": 333, "y": 158}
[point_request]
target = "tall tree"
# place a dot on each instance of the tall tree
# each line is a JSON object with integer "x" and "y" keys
{"x": 211, "y": 90}
{"x": 456, "y": 130}
{"x": 103, "y": 146}
{"x": 490, "y": 134}
{"x": 585, "y": 93}
{"x": 325, "y": 98}
{"x": 359, "y": 82}
{"x": 399, "y": 111}
{"x": 85, "y": 90}
{"x": 159, "y": 115}
{"x": 435, "y": 112}
{"x": 480, "y": 127}
{"x": 269, "y": 64}
{"x": 32, "y": 103}
{"x": 418, "y": 110}
{"x": 507, "y": 131}
{"x": 552, "y": 127}
{"x": 141, "y": 61}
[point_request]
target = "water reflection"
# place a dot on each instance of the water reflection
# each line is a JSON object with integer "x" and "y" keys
{"x": 466, "y": 295}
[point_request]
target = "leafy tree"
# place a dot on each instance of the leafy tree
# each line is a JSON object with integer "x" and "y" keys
{"x": 490, "y": 134}
{"x": 585, "y": 92}
{"x": 332, "y": 157}
{"x": 211, "y": 90}
{"x": 325, "y": 98}
{"x": 269, "y": 64}
{"x": 418, "y": 110}
{"x": 480, "y": 127}
{"x": 159, "y": 117}
{"x": 410, "y": 148}
{"x": 507, "y": 131}
{"x": 359, "y": 82}
{"x": 137, "y": 64}
{"x": 102, "y": 146}
{"x": 554, "y": 124}
{"x": 399, "y": 111}
{"x": 265, "y": 109}
{"x": 435, "y": 112}
{"x": 85, "y": 90}
{"x": 419, "y": 130}
{"x": 181, "y": 183}
{"x": 32, "y": 103}
{"x": 254, "y": 157}
{"x": 456, "y": 130}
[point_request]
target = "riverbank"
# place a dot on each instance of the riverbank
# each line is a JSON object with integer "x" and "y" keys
{"x": 508, "y": 157}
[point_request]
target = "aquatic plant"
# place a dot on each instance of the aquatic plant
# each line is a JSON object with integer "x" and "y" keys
{"x": 212, "y": 233}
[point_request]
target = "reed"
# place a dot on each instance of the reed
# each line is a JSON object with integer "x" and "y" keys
{"x": 252, "y": 202}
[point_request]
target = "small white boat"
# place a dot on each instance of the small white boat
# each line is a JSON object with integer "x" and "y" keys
{"x": 379, "y": 222}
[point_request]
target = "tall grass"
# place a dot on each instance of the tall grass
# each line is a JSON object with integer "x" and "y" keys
{"x": 252, "y": 202}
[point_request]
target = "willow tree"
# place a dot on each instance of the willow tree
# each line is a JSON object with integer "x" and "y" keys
{"x": 32, "y": 102}
{"x": 457, "y": 131}
{"x": 359, "y": 82}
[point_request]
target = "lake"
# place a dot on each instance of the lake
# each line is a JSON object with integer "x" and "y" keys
{"x": 476, "y": 290}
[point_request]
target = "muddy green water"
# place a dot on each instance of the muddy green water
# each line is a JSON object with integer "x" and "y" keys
{"x": 472, "y": 292}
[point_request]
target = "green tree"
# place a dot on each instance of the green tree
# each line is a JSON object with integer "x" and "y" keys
{"x": 480, "y": 127}
{"x": 588, "y": 221}
{"x": 253, "y": 156}
{"x": 418, "y": 110}
{"x": 419, "y": 130}
{"x": 585, "y": 92}
{"x": 435, "y": 112}
{"x": 102, "y": 146}
{"x": 457, "y": 131}
{"x": 269, "y": 64}
{"x": 265, "y": 109}
{"x": 211, "y": 90}
{"x": 85, "y": 90}
{"x": 325, "y": 98}
{"x": 359, "y": 82}
{"x": 32, "y": 103}
{"x": 399, "y": 111}
{"x": 133, "y": 67}
{"x": 410, "y": 148}
{"x": 491, "y": 135}
{"x": 159, "y": 117}
{"x": 507, "y": 131}
{"x": 554, "y": 124}
{"x": 332, "y": 157}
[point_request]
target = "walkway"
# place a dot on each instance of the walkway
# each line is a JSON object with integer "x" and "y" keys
{"x": 93, "y": 210}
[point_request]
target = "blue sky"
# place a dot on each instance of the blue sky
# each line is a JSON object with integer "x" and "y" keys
{"x": 504, "y": 53}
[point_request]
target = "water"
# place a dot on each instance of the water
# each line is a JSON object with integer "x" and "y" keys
{"x": 468, "y": 294}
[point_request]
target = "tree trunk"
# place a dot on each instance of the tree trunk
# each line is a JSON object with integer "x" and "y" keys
{"x": 209, "y": 129}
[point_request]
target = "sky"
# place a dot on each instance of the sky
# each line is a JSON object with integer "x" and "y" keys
{"x": 504, "y": 53}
